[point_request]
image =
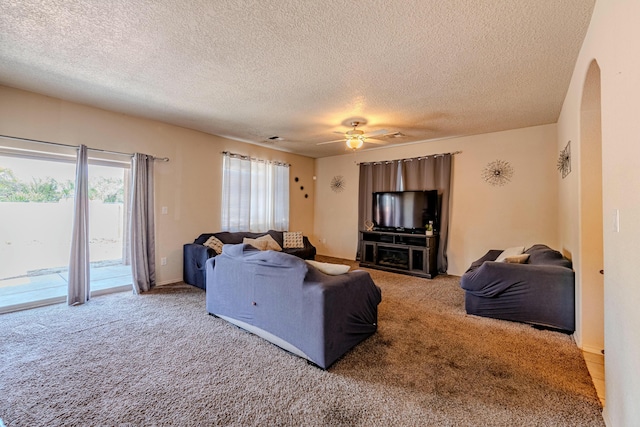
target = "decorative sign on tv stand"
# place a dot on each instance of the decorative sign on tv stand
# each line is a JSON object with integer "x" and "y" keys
{"x": 414, "y": 254}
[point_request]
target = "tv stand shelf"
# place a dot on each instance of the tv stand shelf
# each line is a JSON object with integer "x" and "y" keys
{"x": 406, "y": 253}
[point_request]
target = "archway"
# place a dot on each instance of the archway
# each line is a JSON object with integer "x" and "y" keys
{"x": 591, "y": 280}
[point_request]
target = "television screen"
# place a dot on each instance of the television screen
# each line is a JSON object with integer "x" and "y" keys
{"x": 405, "y": 209}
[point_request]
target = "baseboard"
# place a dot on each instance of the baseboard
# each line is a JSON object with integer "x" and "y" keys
{"x": 589, "y": 349}
{"x": 168, "y": 282}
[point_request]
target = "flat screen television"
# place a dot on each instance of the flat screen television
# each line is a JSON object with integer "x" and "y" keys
{"x": 405, "y": 210}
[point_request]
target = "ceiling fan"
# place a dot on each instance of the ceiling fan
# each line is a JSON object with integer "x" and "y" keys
{"x": 355, "y": 137}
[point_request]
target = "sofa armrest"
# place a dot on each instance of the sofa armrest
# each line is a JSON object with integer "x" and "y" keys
{"x": 492, "y": 255}
{"x": 493, "y": 278}
{"x": 306, "y": 252}
{"x": 194, "y": 258}
{"x": 341, "y": 309}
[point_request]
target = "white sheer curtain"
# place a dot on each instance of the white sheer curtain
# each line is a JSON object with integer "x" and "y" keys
{"x": 78, "y": 285}
{"x": 142, "y": 223}
{"x": 255, "y": 194}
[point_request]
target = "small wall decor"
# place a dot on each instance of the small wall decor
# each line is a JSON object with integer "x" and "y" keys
{"x": 368, "y": 225}
{"x": 564, "y": 160}
{"x": 497, "y": 173}
{"x": 337, "y": 184}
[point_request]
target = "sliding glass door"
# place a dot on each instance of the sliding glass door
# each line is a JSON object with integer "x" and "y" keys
{"x": 36, "y": 213}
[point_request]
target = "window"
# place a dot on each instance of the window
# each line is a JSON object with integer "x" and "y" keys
{"x": 255, "y": 194}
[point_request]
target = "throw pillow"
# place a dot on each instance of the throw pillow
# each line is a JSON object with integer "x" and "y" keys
{"x": 214, "y": 243}
{"x": 256, "y": 243}
{"x": 517, "y": 250}
{"x": 293, "y": 240}
{"x": 517, "y": 259}
{"x": 331, "y": 269}
{"x": 272, "y": 245}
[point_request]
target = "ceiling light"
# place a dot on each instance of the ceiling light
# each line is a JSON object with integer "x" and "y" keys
{"x": 355, "y": 142}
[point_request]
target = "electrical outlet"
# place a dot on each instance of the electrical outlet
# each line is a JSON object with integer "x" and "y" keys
{"x": 616, "y": 221}
{"x": 164, "y": 210}
{"x": 163, "y": 261}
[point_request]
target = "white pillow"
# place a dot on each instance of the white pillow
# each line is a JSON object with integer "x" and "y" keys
{"x": 516, "y": 250}
{"x": 331, "y": 269}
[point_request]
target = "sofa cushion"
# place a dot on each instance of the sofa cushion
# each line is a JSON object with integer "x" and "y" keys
{"x": 214, "y": 243}
{"x": 328, "y": 268}
{"x": 516, "y": 250}
{"x": 293, "y": 240}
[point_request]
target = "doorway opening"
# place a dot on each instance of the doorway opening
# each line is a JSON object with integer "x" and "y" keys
{"x": 591, "y": 268}
{"x": 36, "y": 205}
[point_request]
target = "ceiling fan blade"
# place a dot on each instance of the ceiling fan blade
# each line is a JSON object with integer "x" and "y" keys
{"x": 330, "y": 142}
{"x": 376, "y": 133}
{"x": 376, "y": 141}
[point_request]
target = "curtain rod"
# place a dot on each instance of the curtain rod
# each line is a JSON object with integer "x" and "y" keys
{"x": 409, "y": 159}
{"x": 161, "y": 159}
{"x": 243, "y": 156}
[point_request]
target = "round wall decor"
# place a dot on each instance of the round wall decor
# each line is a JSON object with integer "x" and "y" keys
{"x": 497, "y": 173}
{"x": 338, "y": 184}
{"x": 564, "y": 160}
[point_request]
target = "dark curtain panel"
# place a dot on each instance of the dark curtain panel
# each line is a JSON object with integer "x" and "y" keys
{"x": 431, "y": 173}
{"x": 374, "y": 177}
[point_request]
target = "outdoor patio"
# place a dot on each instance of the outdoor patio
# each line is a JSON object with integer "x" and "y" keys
{"x": 31, "y": 291}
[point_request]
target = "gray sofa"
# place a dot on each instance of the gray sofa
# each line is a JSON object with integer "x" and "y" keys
{"x": 540, "y": 292}
{"x": 292, "y": 304}
{"x": 195, "y": 255}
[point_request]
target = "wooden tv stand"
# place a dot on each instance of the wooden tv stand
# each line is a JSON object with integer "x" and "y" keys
{"x": 406, "y": 253}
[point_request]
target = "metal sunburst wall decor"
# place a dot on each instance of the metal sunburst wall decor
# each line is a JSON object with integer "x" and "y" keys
{"x": 337, "y": 183}
{"x": 564, "y": 160}
{"x": 497, "y": 173}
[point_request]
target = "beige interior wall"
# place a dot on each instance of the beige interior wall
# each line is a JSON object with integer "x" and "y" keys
{"x": 612, "y": 40}
{"x": 189, "y": 185}
{"x": 483, "y": 217}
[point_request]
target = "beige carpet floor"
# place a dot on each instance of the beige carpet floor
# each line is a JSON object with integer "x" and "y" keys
{"x": 159, "y": 359}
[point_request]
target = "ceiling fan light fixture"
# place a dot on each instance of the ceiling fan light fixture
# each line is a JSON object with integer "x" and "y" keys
{"x": 354, "y": 133}
{"x": 355, "y": 142}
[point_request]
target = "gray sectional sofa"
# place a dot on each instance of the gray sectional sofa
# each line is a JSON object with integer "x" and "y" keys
{"x": 539, "y": 292}
{"x": 195, "y": 254}
{"x": 292, "y": 304}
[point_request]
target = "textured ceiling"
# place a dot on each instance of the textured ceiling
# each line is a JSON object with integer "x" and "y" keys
{"x": 302, "y": 69}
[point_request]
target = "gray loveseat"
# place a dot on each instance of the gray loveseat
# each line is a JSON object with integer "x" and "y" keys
{"x": 540, "y": 292}
{"x": 195, "y": 254}
{"x": 292, "y": 304}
